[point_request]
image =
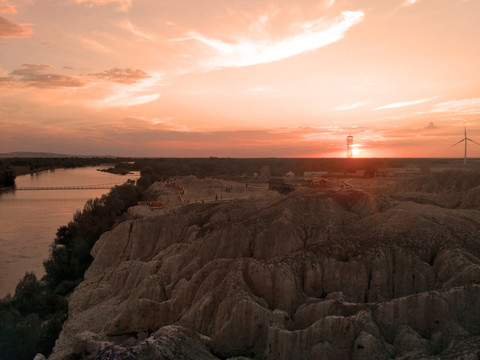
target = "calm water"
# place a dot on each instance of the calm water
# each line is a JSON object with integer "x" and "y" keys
{"x": 29, "y": 219}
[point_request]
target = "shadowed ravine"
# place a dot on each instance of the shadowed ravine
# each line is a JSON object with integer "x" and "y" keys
{"x": 313, "y": 275}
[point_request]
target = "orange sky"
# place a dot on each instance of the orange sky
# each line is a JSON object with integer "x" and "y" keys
{"x": 248, "y": 78}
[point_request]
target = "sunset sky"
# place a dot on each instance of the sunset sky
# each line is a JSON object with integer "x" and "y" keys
{"x": 250, "y": 78}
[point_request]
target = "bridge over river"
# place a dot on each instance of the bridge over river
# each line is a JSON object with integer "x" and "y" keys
{"x": 67, "y": 187}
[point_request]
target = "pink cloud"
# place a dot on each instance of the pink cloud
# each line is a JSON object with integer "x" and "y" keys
{"x": 6, "y": 81}
{"x": 123, "y": 76}
{"x": 38, "y": 75}
{"x": 9, "y": 29}
{"x": 6, "y": 8}
{"x": 34, "y": 76}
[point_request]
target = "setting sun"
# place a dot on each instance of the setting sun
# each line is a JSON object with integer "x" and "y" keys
{"x": 356, "y": 151}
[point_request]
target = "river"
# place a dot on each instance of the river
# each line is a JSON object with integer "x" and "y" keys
{"x": 29, "y": 219}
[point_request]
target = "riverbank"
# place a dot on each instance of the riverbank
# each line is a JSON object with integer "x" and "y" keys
{"x": 30, "y": 218}
{"x": 31, "y": 319}
{"x": 116, "y": 171}
{"x": 24, "y": 165}
{"x": 10, "y": 168}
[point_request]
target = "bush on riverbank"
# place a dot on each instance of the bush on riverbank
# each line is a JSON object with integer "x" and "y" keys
{"x": 70, "y": 255}
{"x": 31, "y": 320}
{"x": 7, "y": 177}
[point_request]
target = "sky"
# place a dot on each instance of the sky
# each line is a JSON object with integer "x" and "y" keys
{"x": 249, "y": 78}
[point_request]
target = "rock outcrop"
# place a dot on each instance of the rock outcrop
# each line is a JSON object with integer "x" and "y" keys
{"x": 312, "y": 275}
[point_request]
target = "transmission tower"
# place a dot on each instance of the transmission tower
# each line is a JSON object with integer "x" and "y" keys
{"x": 349, "y": 146}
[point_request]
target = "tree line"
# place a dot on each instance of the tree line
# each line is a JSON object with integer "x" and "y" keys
{"x": 12, "y": 167}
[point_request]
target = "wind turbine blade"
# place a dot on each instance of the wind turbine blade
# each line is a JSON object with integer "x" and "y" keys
{"x": 473, "y": 141}
{"x": 458, "y": 142}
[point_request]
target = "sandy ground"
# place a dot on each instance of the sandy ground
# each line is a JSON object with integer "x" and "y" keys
{"x": 216, "y": 190}
{"x": 200, "y": 191}
{"x": 375, "y": 186}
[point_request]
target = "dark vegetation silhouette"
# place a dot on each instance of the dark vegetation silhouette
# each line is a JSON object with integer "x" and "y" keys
{"x": 12, "y": 167}
{"x": 52, "y": 163}
{"x": 7, "y": 177}
{"x": 233, "y": 168}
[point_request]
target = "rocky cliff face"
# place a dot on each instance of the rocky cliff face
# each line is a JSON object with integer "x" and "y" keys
{"x": 313, "y": 275}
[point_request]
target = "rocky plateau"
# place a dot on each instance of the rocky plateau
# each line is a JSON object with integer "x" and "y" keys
{"x": 332, "y": 274}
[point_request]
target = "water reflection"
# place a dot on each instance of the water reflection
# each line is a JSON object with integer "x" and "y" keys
{"x": 29, "y": 219}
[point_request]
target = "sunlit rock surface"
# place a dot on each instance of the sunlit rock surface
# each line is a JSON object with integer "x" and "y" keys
{"x": 313, "y": 275}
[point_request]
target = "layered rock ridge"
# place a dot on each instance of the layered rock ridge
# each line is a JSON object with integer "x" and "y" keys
{"x": 312, "y": 275}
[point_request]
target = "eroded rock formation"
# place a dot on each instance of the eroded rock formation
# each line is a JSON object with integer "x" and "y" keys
{"x": 312, "y": 275}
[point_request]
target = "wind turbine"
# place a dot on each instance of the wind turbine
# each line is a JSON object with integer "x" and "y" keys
{"x": 466, "y": 139}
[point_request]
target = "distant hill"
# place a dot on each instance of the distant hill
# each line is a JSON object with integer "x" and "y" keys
{"x": 23, "y": 154}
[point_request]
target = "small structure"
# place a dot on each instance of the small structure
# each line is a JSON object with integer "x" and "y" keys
{"x": 279, "y": 184}
{"x": 314, "y": 173}
{"x": 152, "y": 204}
{"x": 321, "y": 183}
{"x": 349, "y": 146}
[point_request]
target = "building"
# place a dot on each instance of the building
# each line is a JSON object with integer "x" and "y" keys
{"x": 279, "y": 184}
{"x": 320, "y": 183}
{"x": 314, "y": 173}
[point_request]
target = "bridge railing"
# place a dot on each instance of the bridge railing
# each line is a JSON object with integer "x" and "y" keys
{"x": 68, "y": 187}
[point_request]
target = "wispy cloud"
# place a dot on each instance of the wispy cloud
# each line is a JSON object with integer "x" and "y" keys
{"x": 127, "y": 25}
{"x": 166, "y": 123}
{"x": 94, "y": 45}
{"x": 141, "y": 92}
{"x": 262, "y": 89}
{"x": 463, "y": 106}
{"x": 403, "y": 104}
{"x": 10, "y": 29}
{"x": 247, "y": 51}
{"x": 123, "y": 5}
{"x": 350, "y": 106}
{"x": 329, "y": 3}
{"x": 407, "y": 3}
